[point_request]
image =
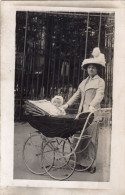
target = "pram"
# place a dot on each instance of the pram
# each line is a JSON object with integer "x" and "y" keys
{"x": 51, "y": 150}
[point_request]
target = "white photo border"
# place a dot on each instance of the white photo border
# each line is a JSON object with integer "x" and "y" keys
{"x": 7, "y": 100}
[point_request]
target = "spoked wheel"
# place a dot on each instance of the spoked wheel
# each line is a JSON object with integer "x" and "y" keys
{"x": 61, "y": 161}
{"x": 88, "y": 157}
{"x": 32, "y": 153}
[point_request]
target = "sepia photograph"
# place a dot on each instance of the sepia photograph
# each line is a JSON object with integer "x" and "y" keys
{"x": 63, "y": 95}
{"x": 62, "y": 98}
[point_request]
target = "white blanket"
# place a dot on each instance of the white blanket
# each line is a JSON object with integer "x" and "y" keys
{"x": 48, "y": 107}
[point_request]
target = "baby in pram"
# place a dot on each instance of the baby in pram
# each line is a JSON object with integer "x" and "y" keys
{"x": 52, "y": 107}
{"x": 58, "y": 102}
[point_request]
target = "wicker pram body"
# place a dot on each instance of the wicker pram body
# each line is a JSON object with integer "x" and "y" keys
{"x": 55, "y": 126}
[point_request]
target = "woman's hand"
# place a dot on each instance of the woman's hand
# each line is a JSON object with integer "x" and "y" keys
{"x": 91, "y": 109}
{"x": 65, "y": 106}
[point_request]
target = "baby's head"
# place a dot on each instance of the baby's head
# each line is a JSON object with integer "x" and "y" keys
{"x": 57, "y": 101}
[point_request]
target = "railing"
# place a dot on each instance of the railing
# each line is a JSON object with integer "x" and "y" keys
{"x": 54, "y": 46}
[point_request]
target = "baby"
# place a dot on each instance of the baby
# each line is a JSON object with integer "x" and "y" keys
{"x": 58, "y": 102}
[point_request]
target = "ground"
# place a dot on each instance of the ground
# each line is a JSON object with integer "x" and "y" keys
{"x": 22, "y": 132}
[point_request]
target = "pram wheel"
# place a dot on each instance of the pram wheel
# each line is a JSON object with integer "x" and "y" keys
{"x": 61, "y": 161}
{"x": 32, "y": 153}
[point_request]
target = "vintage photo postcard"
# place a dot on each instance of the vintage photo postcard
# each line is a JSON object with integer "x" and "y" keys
{"x": 62, "y": 96}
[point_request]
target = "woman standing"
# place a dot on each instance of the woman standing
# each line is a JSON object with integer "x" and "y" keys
{"x": 91, "y": 92}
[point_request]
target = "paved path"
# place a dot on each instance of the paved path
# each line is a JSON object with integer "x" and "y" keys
{"x": 22, "y": 132}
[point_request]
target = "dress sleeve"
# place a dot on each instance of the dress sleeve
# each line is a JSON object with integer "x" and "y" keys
{"x": 75, "y": 97}
{"x": 99, "y": 94}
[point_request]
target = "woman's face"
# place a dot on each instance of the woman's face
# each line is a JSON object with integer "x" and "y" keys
{"x": 92, "y": 70}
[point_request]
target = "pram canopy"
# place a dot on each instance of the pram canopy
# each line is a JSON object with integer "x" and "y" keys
{"x": 55, "y": 126}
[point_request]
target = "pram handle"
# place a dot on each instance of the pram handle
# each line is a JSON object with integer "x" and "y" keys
{"x": 80, "y": 137}
{"x": 100, "y": 109}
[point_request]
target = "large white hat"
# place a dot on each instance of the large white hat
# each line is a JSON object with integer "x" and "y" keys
{"x": 98, "y": 59}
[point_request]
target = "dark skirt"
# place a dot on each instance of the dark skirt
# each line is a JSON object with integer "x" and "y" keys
{"x": 83, "y": 157}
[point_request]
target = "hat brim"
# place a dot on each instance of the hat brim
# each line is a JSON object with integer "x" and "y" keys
{"x": 99, "y": 66}
{"x": 97, "y": 61}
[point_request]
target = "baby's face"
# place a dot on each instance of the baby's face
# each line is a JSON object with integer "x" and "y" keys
{"x": 57, "y": 102}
